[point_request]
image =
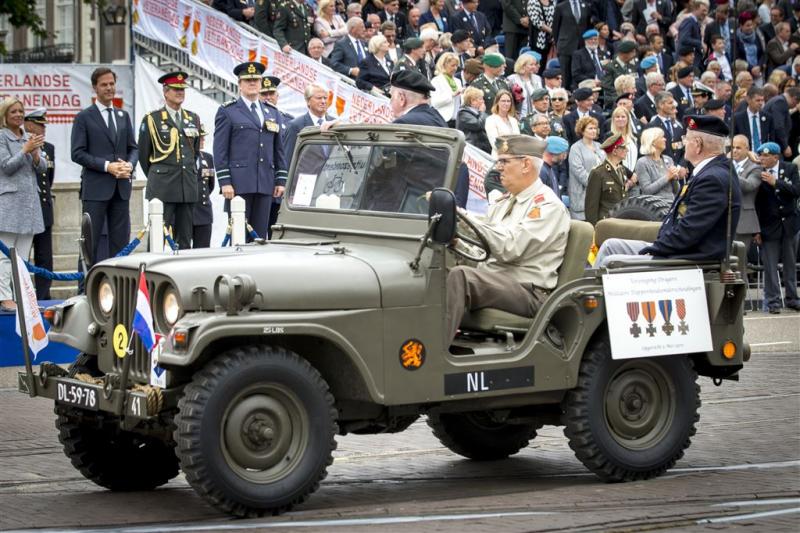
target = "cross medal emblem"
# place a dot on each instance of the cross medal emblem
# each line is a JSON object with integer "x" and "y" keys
{"x": 633, "y": 313}
{"x": 649, "y": 313}
{"x": 665, "y": 306}
{"x": 680, "y": 309}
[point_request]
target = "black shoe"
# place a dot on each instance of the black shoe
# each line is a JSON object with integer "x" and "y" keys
{"x": 774, "y": 310}
{"x": 796, "y": 306}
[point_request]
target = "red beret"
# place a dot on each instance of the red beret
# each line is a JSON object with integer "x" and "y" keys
{"x": 744, "y": 16}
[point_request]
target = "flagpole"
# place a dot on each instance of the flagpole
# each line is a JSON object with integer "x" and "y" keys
{"x": 22, "y": 327}
{"x": 126, "y": 364}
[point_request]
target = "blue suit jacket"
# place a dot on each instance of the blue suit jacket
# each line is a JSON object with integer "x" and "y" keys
{"x": 248, "y": 155}
{"x": 700, "y": 232}
{"x": 427, "y": 18}
{"x": 293, "y": 128}
{"x": 92, "y": 147}
{"x": 689, "y": 34}
{"x": 741, "y": 125}
{"x": 344, "y": 56}
{"x": 371, "y": 74}
{"x": 777, "y": 109}
{"x": 460, "y": 21}
{"x": 777, "y": 206}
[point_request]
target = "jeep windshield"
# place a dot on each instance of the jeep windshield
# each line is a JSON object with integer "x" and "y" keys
{"x": 352, "y": 177}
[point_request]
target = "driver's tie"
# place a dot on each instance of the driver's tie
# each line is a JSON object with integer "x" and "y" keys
{"x": 511, "y": 203}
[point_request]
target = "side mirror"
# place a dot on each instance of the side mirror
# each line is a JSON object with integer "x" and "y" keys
{"x": 442, "y": 204}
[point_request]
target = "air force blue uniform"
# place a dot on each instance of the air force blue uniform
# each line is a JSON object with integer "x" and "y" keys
{"x": 249, "y": 156}
{"x": 696, "y": 226}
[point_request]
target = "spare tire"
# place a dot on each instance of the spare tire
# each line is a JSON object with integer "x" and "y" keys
{"x": 646, "y": 207}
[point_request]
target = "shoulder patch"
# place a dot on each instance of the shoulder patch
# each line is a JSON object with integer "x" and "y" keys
{"x": 229, "y": 103}
{"x": 539, "y": 198}
{"x": 536, "y": 212}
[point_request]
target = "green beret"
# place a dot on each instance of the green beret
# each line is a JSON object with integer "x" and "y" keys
{"x": 412, "y": 43}
{"x": 494, "y": 60}
{"x": 539, "y": 94}
{"x": 520, "y": 145}
{"x": 626, "y": 46}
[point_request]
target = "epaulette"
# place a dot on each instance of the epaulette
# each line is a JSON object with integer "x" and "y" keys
{"x": 273, "y": 106}
{"x": 229, "y": 103}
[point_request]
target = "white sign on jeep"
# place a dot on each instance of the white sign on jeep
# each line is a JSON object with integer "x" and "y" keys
{"x": 657, "y": 313}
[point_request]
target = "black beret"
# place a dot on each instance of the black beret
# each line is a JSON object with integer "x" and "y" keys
{"x": 685, "y": 50}
{"x": 714, "y": 104}
{"x": 412, "y": 80}
{"x": 685, "y": 71}
{"x": 551, "y": 73}
{"x": 706, "y": 124}
{"x": 459, "y": 36}
{"x": 626, "y": 46}
{"x": 582, "y": 94}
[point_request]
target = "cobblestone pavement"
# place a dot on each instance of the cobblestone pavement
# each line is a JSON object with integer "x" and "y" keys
{"x": 741, "y": 472}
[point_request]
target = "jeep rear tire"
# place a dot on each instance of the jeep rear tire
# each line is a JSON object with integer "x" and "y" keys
{"x": 631, "y": 419}
{"x": 105, "y": 454}
{"x": 255, "y": 431}
{"x": 476, "y": 436}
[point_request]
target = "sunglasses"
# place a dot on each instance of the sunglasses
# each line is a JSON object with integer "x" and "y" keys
{"x": 558, "y": 99}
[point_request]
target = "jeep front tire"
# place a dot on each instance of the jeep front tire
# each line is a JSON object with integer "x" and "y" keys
{"x": 255, "y": 431}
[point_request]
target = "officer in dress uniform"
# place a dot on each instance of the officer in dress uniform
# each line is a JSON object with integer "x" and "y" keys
{"x": 169, "y": 142}
{"x": 527, "y": 235}
{"x": 203, "y": 215}
{"x": 609, "y": 181}
{"x": 491, "y": 81}
{"x": 696, "y": 226}
{"x": 248, "y": 151}
{"x": 701, "y": 94}
{"x": 269, "y": 95}
{"x": 292, "y": 26}
{"x": 35, "y": 122}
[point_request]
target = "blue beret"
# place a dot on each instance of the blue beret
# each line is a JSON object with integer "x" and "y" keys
{"x": 556, "y": 145}
{"x": 500, "y": 38}
{"x": 536, "y": 55}
{"x": 588, "y": 34}
{"x": 524, "y": 50}
{"x": 649, "y": 61}
{"x": 769, "y": 148}
{"x": 553, "y": 64}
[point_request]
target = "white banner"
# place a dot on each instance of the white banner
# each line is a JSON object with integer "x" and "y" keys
{"x": 657, "y": 313}
{"x": 63, "y": 90}
{"x": 29, "y": 306}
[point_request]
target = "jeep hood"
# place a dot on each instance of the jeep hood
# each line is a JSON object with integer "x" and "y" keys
{"x": 299, "y": 276}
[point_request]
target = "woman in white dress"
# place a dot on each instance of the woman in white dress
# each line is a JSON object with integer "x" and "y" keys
{"x": 502, "y": 120}
{"x": 621, "y": 124}
{"x": 446, "y": 99}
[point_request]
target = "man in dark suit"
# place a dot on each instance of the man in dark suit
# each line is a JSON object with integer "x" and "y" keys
{"x": 777, "y": 109}
{"x": 104, "y": 144}
{"x": 473, "y": 22}
{"x": 658, "y": 11}
{"x": 203, "y": 214}
{"x": 780, "y": 50}
{"x": 391, "y": 12}
{"x": 696, "y": 226}
{"x": 241, "y": 10}
{"x": 169, "y": 142}
{"x": 769, "y": 28}
{"x": 722, "y": 25}
{"x": 570, "y": 20}
{"x": 317, "y": 102}
{"x": 689, "y": 33}
{"x": 315, "y": 50}
{"x": 586, "y": 63}
{"x": 515, "y": 26}
{"x": 752, "y": 122}
{"x": 248, "y": 151}
{"x": 776, "y": 206}
{"x": 348, "y": 52}
{"x": 583, "y": 107}
{"x": 683, "y": 90}
{"x": 374, "y": 72}
{"x": 665, "y": 119}
{"x": 35, "y": 124}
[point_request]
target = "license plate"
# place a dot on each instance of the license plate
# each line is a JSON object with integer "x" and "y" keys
{"x": 77, "y": 395}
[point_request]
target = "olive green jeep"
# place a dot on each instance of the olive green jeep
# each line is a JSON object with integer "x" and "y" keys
{"x": 337, "y": 325}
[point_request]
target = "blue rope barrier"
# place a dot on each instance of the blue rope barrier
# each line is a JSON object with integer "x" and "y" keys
{"x": 226, "y": 240}
{"x": 172, "y": 244}
{"x": 43, "y": 272}
{"x": 252, "y": 232}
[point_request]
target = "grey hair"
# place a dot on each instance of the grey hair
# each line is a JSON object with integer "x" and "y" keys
{"x": 352, "y": 22}
{"x": 653, "y": 77}
{"x": 311, "y": 89}
{"x": 539, "y": 116}
{"x": 662, "y": 96}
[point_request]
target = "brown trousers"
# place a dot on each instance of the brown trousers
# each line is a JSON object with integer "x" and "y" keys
{"x": 469, "y": 288}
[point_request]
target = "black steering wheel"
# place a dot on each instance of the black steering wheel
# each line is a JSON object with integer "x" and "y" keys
{"x": 481, "y": 243}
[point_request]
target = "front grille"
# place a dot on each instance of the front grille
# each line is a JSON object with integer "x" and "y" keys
{"x": 125, "y": 290}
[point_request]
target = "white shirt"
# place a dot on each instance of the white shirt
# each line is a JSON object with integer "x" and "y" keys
{"x": 750, "y": 116}
{"x": 260, "y": 114}
{"x": 701, "y": 165}
{"x": 105, "y": 114}
{"x": 357, "y": 46}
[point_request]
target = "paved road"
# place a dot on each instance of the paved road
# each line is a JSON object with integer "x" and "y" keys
{"x": 742, "y": 471}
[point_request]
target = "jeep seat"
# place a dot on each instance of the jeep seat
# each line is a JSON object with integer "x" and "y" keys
{"x": 579, "y": 241}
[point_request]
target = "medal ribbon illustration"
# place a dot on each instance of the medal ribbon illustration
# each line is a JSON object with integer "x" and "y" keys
{"x": 680, "y": 309}
{"x": 649, "y": 313}
{"x": 665, "y": 306}
{"x": 633, "y": 313}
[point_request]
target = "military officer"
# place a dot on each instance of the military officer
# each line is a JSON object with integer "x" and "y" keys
{"x": 292, "y": 26}
{"x": 491, "y": 81}
{"x": 248, "y": 151}
{"x": 269, "y": 95}
{"x": 169, "y": 142}
{"x": 266, "y": 13}
{"x": 413, "y": 53}
{"x": 696, "y": 226}
{"x": 609, "y": 181}
{"x": 527, "y": 235}
{"x": 623, "y": 63}
{"x": 701, "y": 94}
{"x": 203, "y": 215}
{"x": 35, "y": 123}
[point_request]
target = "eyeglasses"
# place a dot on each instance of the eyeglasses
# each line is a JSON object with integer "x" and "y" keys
{"x": 502, "y": 162}
{"x": 558, "y": 99}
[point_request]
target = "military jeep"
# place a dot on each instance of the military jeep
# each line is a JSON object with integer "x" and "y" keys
{"x": 337, "y": 325}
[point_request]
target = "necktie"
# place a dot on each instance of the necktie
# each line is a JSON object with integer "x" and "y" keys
{"x": 255, "y": 112}
{"x": 576, "y": 10}
{"x": 325, "y": 148}
{"x": 359, "y": 51}
{"x": 668, "y": 124}
{"x": 474, "y": 22}
{"x": 598, "y": 67}
{"x": 511, "y": 203}
{"x": 112, "y": 128}
{"x": 756, "y": 133}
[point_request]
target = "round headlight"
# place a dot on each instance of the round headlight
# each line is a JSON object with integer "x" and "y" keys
{"x": 171, "y": 307}
{"x": 105, "y": 296}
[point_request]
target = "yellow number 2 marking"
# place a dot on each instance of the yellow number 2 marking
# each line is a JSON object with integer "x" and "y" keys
{"x": 120, "y": 340}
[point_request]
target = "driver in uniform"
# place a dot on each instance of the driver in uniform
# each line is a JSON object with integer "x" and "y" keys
{"x": 526, "y": 232}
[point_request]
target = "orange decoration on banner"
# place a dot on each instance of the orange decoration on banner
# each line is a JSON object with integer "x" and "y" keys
{"x": 340, "y": 103}
{"x": 252, "y": 55}
{"x": 187, "y": 20}
{"x": 196, "y": 27}
{"x": 330, "y": 99}
{"x": 265, "y": 61}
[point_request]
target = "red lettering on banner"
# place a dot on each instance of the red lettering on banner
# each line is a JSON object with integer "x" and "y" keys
{"x": 52, "y": 91}
{"x": 166, "y": 10}
{"x": 219, "y": 34}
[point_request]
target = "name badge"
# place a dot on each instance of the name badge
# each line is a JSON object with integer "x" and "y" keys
{"x": 272, "y": 126}
{"x": 208, "y": 173}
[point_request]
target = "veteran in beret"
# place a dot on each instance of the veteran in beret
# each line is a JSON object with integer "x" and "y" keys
{"x": 169, "y": 145}
{"x": 413, "y": 55}
{"x": 491, "y": 81}
{"x": 778, "y": 217}
{"x": 696, "y": 226}
{"x": 248, "y": 149}
{"x": 609, "y": 182}
{"x": 527, "y": 235}
{"x": 623, "y": 63}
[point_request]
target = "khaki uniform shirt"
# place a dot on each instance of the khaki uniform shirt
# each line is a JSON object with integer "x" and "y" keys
{"x": 604, "y": 190}
{"x": 527, "y": 235}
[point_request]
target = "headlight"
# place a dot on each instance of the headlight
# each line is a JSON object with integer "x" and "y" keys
{"x": 105, "y": 296}
{"x": 171, "y": 307}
